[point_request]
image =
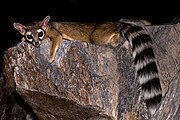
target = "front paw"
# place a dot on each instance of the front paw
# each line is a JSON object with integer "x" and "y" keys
{"x": 51, "y": 60}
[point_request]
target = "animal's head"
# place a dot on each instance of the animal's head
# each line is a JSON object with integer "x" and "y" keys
{"x": 33, "y": 33}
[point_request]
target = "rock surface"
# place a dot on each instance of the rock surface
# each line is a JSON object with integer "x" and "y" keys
{"x": 81, "y": 83}
{"x": 87, "y": 82}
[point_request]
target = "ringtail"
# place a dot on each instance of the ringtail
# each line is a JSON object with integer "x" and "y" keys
{"x": 102, "y": 34}
{"x": 146, "y": 70}
{"x": 99, "y": 34}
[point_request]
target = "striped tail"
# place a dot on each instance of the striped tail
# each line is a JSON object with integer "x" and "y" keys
{"x": 145, "y": 65}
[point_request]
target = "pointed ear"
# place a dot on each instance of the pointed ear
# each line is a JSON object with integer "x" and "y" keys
{"x": 44, "y": 23}
{"x": 21, "y": 28}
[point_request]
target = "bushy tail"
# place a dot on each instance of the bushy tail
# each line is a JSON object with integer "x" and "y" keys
{"x": 145, "y": 65}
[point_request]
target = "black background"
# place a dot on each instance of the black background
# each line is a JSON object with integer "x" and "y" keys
{"x": 79, "y": 10}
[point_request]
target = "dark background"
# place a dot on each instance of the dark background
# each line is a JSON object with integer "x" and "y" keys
{"x": 79, "y": 10}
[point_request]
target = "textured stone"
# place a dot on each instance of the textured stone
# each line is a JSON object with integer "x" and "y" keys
{"x": 87, "y": 82}
{"x": 82, "y": 81}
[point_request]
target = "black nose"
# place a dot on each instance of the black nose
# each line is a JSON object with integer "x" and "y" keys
{"x": 37, "y": 44}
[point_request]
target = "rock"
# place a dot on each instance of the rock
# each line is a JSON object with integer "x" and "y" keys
{"x": 87, "y": 82}
{"x": 81, "y": 83}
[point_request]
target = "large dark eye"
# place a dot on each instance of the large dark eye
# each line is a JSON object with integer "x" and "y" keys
{"x": 40, "y": 34}
{"x": 29, "y": 37}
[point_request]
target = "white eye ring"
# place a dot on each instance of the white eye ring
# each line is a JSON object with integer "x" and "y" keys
{"x": 40, "y": 34}
{"x": 29, "y": 36}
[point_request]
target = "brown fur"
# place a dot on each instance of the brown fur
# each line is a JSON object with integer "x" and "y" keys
{"x": 99, "y": 34}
